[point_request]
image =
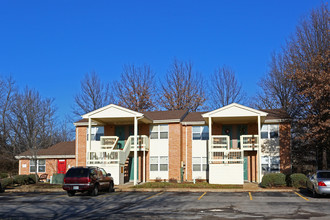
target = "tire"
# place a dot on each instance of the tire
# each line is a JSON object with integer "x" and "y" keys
{"x": 111, "y": 188}
{"x": 71, "y": 193}
{"x": 95, "y": 191}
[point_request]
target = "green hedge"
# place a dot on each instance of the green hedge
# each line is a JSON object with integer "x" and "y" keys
{"x": 19, "y": 180}
{"x": 273, "y": 179}
{"x": 297, "y": 180}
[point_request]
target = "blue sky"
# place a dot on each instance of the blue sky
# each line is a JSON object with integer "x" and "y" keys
{"x": 51, "y": 45}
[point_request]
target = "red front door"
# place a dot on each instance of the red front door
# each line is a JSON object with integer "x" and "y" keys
{"x": 61, "y": 166}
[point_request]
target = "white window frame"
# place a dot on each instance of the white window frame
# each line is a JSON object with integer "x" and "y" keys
{"x": 37, "y": 167}
{"x": 158, "y": 163}
{"x": 270, "y": 161}
{"x": 158, "y": 131}
{"x": 202, "y": 131}
{"x": 96, "y": 133}
{"x": 267, "y": 128}
{"x": 202, "y": 162}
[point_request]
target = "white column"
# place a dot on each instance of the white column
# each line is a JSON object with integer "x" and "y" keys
{"x": 210, "y": 137}
{"x": 144, "y": 164}
{"x": 259, "y": 151}
{"x": 89, "y": 138}
{"x": 186, "y": 167}
{"x": 135, "y": 149}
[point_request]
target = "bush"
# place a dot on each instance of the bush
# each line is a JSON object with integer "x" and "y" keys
{"x": 20, "y": 179}
{"x": 3, "y": 175}
{"x": 297, "y": 180}
{"x": 6, "y": 182}
{"x": 273, "y": 179}
{"x": 32, "y": 179}
{"x": 58, "y": 179}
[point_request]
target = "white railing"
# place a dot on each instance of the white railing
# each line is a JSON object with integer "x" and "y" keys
{"x": 220, "y": 142}
{"x": 249, "y": 142}
{"x": 109, "y": 142}
{"x": 226, "y": 157}
{"x": 143, "y": 143}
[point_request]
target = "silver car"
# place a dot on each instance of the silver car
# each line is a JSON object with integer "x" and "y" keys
{"x": 319, "y": 183}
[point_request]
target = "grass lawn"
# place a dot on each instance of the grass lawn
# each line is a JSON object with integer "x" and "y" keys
{"x": 202, "y": 185}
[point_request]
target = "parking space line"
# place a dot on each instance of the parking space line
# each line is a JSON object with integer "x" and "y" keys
{"x": 201, "y": 196}
{"x": 154, "y": 195}
{"x": 301, "y": 196}
{"x": 250, "y": 196}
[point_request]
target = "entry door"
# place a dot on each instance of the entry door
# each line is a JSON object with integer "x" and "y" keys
{"x": 227, "y": 130}
{"x": 131, "y": 167}
{"x": 245, "y": 168}
{"x": 61, "y": 166}
{"x": 120, "y": 132}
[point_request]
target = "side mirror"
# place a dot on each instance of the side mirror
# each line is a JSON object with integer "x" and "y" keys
{"x": 108, "y": 174}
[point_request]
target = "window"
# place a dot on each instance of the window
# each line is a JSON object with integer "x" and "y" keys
{"x": 40, "y": 166}
{"x": 96, "y": 133}
{"x": 200, "y": 132}
{"x": 270, "y": 164}
{"x": 158, "y": 163}
{"x": 199, "y": 164}
{"x": 159, "y": 132}
{"x": 269, "y": 131}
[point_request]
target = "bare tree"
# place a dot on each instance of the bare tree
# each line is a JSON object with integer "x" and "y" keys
{"x": 32, "y": 123}
{"x": 308, "y": 58}
{"x": 225, "y": 89}
{"x": 136, "y": 88}
{"x": 94, "y": 94}
{"x": 7, "y": 153}
{"x": 277, "y": 91}
{"x": 183, "y": 88}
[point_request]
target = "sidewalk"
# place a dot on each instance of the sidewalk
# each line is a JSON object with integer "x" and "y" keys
{"x": 247, "y": 187}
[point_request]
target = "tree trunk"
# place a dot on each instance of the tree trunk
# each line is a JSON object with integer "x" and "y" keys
{"x": 324, "y": 159}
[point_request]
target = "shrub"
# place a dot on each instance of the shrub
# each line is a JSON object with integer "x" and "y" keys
{"x": 297, "y": 180}
{"x": 20, "y": 179}
{"x": 199, "y": 180}
{"x": 32, "y": 179}
{"x": 6, "y": 182}
{"x": 3, "y": 175}
{"x": 173, "y": 180}
{"x": 273, "y": 179}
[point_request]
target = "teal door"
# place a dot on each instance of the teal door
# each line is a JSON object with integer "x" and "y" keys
{"x": 120, "y": 133}
{"x": 242, "y": 130}
{"x": 227, "y": 130}
{"x": 246, "y": 168}
{"x": 131, "y": 169}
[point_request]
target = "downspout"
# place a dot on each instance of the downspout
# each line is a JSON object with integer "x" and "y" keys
{"x": 259, "y": 151}
{"x": 89, "y": 137}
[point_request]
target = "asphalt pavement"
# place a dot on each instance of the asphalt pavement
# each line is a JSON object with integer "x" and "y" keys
{"x": 164, "y": 205}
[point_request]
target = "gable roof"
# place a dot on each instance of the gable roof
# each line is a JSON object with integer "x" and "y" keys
{"x": 234, "y": 110}
{"x": 60, "y": 150}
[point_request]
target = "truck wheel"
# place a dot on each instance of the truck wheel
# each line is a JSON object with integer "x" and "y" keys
{"x": 71, "y": 193}
{"x": 95, "y": 191}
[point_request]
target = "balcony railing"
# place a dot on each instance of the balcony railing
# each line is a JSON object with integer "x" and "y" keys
{"x": 249, "y": 142}
{"x": 220, "y": 142}
{"x": 108, "y": 142}
{"x": 226, "y": 157}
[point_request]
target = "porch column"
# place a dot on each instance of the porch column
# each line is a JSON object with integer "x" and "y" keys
{"x": 89, "y": 138}
{"x": 144, "y": 165}
{"x": 259, "y": 151}
{"x": 210, "y": 137}
{"x": 135, "y": 149}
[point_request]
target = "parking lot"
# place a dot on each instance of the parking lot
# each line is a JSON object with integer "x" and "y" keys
{"x": 165, "y": 205}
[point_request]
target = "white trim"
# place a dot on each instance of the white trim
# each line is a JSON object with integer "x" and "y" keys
{"x": 47, "y": 157}
{"x": 194, "y": 123}
{"x": 137, "y": 114}
{"x": 19, "y": 167}
{"x": 84, "y": 124}
{"x": 186, "y": 167}
{"x": 166, "y": 121}
{"x": 234, "y": 105}
{"x": 274, "y": 120}
{"x": 135, "y": 150}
